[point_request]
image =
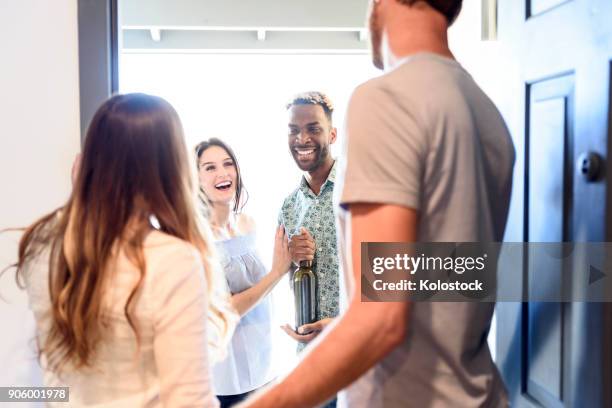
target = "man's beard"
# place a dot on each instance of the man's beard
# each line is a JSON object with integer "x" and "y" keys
{"x": 321, "y": 153}
{"x": 376, "y": 37}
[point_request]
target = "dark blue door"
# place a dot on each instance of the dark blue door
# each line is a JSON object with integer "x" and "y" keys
{"x": 558, "y": 103}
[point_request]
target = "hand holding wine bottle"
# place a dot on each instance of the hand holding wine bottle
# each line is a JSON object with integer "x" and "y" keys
{"x": 307, "y": 332}
{"x": 302, "y": 247}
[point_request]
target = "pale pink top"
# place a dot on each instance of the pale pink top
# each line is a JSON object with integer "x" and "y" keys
{"x": 171, "y": 369}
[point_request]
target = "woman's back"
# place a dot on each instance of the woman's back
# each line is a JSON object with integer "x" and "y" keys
{"x": 170, "y": 365}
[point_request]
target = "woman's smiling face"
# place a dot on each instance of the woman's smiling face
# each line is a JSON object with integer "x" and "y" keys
{"x": 217, "y": 174}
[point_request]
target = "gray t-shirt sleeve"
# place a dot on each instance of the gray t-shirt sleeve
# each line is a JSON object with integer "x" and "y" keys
{"x": 385, "y": 149}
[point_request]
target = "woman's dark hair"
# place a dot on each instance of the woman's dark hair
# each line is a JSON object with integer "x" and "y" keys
{"x": 242, "y": 196}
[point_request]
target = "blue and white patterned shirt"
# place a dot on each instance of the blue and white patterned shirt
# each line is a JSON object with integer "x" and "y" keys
{"x": 303, "y": 208}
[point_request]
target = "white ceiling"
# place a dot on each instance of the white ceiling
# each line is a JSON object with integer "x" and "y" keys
{"x": 243, "y": 25}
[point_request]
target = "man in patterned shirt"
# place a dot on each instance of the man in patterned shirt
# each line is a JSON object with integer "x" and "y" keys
{"x": 307, "y": 213}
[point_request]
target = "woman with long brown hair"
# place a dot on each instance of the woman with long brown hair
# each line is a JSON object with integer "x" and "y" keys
{"x": 248, "y": 364}
{"x": 121, "y": 278}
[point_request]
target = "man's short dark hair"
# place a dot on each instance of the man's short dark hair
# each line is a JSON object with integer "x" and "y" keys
{"x": 449, "y": 8}
{"x": 313, "y": 98}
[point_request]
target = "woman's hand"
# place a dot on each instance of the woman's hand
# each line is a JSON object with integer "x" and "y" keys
{"x": 281, "y": 261}
{"x": 244, "y": 301}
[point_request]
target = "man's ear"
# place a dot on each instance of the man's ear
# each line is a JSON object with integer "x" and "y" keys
{"x": 333, "y": 135}
{"x": 76, "y": 168}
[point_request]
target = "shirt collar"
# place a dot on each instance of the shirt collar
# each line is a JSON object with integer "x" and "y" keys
{"x": 331, "y": 179}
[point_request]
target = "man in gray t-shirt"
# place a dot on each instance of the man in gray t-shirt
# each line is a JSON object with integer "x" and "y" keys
{"x": 444, "y": 153}
{"x": 427, "y": 158}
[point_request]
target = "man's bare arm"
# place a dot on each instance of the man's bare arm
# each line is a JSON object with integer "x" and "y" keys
{"x": 360, "y": 338}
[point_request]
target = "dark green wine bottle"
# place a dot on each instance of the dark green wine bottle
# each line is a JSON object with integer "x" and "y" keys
{"x": 305, "y": 291}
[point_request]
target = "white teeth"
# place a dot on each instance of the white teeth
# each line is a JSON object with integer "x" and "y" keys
{"x": 223, "y": 184}
{"x": 304, "y": 152}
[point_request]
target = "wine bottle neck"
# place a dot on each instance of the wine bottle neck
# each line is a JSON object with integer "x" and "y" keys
{"x": 305, "y": 264}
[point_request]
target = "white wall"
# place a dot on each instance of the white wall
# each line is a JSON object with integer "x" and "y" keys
{"x": 39, "y": 136}
{"x": 482, "y": 59}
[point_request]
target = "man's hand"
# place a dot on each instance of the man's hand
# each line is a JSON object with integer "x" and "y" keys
{"x": 302, "y": 247}
{"x": 307, "y": 332}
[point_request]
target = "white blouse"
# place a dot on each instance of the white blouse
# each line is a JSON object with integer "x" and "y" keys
{"x": 170, "y": 369}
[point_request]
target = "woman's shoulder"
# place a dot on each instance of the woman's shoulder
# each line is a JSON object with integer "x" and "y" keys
{"x": 157, "y": 238}
{"x": 170, "y": 260}
{"x": 158, "y": 244}
{"x": 245, "y": 223}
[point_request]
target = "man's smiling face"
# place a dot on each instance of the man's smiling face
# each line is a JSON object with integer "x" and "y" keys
{"x": 310, "y": 135}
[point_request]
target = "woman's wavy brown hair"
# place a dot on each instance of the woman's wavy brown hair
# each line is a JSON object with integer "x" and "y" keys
{"x": 134, "y": 165}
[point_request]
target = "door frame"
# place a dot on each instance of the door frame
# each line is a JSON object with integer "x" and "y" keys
{"x": 98, "y": 33}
